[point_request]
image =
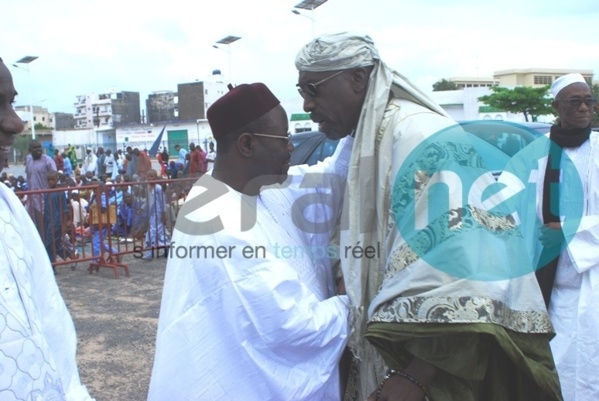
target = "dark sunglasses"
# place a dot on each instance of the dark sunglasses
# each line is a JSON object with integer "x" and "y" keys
{"x": 312, "y": 89}
{"x": 590, "y": 102}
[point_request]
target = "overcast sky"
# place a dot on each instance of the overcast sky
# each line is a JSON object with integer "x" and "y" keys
{"x": 90, "y": 46}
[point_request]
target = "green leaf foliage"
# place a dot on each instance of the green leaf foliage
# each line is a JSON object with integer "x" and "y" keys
{"x": 444, "y": 85}
{"x": 532, "y": 102}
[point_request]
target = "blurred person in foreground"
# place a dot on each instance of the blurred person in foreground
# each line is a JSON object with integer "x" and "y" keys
{"x": 564, "y": 206}
{"x": 247, "y": 320}
{"x": 37, "y": 336}
{"x": 440, "y": 306}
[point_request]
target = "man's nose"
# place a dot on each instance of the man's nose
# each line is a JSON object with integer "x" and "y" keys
{"x": 11, "y": 123}
{"x": 308, "y": 104}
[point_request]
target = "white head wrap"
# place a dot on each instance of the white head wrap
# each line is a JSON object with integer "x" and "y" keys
{"x": 564, "y": 81}
{"x": 338, "y": 51}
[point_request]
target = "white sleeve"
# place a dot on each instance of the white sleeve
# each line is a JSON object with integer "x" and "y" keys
{"x": 57, "y": 325}
{"x": 337, "y": 163}
{"x": 323, "y": 183}
{"x": 288, "y": 318}
{"x": 582, "y": 248}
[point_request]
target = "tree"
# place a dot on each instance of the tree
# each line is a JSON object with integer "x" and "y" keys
{"x": 444, "y": 85}
{"x": 40, "y": 126}
{"x": 21, "y": 144}
{"x": 527, "y": 100}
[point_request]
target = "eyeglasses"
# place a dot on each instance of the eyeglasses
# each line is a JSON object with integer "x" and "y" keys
{"x": 312, "y": 89}
{"x": 286, "y": 137}
{"x": 576, "y": 102}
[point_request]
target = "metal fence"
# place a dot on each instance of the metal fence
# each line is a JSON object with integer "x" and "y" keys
{"x": 98, "y": 224}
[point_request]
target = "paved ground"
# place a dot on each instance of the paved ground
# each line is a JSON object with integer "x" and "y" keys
{"x": 116, "y": 321}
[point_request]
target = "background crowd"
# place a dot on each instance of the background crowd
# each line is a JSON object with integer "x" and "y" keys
{"x": 118, "y": 182}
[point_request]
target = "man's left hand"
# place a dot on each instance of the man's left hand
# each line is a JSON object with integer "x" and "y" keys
{"x": 551, "y": 234}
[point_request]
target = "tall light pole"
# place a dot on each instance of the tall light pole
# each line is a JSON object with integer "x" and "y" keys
{"x": 27, "y": 60}
{"x": 227, "y": 40}
{"x": 309, "y": 5}
{"x": 310, "y": 18}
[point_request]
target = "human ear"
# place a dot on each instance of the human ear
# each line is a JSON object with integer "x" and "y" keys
{"x": 555, "y": 105}
{"x": 359, "y": 78}
{"x": 245, "y": 144}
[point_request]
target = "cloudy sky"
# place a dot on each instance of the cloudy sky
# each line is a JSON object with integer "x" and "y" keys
{"x": 89, "y": 46}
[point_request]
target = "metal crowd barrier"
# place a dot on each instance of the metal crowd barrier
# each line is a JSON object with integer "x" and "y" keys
{"x": 100, "y": 223}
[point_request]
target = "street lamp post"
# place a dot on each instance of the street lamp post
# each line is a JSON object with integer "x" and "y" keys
{"x": 227, "y": 40}
{"x": 309, "y": 5}
{"x": 27, "y": 60}
{"x": 198, "y": 131}
{"x": 310, "y": 18}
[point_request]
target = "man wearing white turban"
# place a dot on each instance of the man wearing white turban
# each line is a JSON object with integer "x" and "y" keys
{"x": 566, "y": 207}
{"x": 429, "y": 303}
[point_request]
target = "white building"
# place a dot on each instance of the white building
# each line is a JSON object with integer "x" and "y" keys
{"x": 464, "y": 105}
{"x": 40, "y": 116}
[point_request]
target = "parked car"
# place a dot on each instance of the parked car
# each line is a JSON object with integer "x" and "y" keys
{"x": 311, "y": 147}
{"x": 507, "y": 136}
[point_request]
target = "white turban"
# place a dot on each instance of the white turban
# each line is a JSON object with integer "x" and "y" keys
{"x": 338, "y": 51}
{"x": 564, "y": 81}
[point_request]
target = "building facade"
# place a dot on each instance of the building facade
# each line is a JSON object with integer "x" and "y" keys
{"x": 194, "y": 98}
{"x": 189, "y": 103}
{"x": 473, "y": 82}
{"x": 107, "y": 110}
{"x": 40, "y": 116}
{"x": 536, "y": 77}
{"x": 160, "y": 106}
{"x": 63, "y": 121}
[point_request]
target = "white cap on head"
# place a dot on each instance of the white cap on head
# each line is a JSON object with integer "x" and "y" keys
{"x": 337, "y": 51}
{"x": 564, "y": 81}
